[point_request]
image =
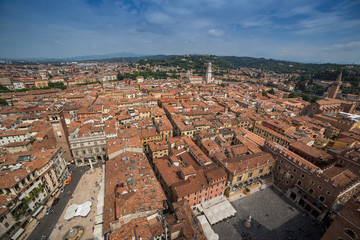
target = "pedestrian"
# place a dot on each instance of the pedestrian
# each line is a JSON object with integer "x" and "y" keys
{"x": 93, "y": 228}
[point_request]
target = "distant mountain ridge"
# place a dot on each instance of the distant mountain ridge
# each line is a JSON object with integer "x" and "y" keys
{"x": 197, "y": 61}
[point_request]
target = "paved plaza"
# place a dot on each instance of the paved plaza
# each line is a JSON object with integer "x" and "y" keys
{"x": 86, "y": 190}
{"x": 273, "y": 217}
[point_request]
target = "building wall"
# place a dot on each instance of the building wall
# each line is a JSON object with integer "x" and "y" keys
{"x": 309, "y": 190}
{"x": 212, "y": 191}
{"x": 88, "y": 148}
{"x": 6, "y": 222}
{"x": 13, "y": 138}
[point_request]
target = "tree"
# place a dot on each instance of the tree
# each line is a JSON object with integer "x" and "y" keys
{"x": 3, "y": 102}
{"x": 293, "y": 95}
{"x": 3, "y": 88}
{"x": 59, "y": 85}
{"x": 306, "y": 97}
{"x": 120, "y": 76}
{"x": 271, "y": 91}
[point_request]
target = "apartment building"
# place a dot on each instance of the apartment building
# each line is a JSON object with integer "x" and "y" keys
{"x": 26, "y": 182}
{"x": 12, "y": 136}
{"x": 269, "y": 134}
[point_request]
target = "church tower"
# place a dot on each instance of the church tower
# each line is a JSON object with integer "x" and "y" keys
{"x": 335, "y": 86}
{"x": 208, "y": 73}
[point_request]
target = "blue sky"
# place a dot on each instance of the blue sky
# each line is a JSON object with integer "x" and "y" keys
{"x": 300, "y": 30}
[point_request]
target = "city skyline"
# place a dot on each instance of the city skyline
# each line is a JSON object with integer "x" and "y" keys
{"x": 304, "y": 31}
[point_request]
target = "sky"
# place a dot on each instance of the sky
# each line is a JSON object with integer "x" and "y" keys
{"x": 317, "y": 31}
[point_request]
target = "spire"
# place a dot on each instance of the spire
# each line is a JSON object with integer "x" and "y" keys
{"x": 339, "y": 77}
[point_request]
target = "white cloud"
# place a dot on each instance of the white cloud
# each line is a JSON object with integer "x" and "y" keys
{"x": 159, "y": 18}
{"x": 348, "y": 46}
{"x": 216, "y": 32}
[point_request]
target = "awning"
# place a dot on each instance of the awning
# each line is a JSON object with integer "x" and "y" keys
{"x": 208, "y": 231}
{"x": 78, "y": 210}
{"x": 38, "y": 211}
{"x": 217, "y": 209}
{"x": 18, "y": 234}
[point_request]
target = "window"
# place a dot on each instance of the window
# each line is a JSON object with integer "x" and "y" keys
{"x": 294, "y": 170}
{"x": 279, "y": 167}
{"x": 322, "y": 198}
{"x": 299, "y": 183}
{"x": 312, "y": 182}
{"x": 350, "y": 233}
{"x": 311, "y": 191}
{"x": 320, "y": 187}
{"x": 287, "y": 165}
{"x": 328, "y": 193}
{"x": 302, "y": 175}
{"x": 291, "y": 176}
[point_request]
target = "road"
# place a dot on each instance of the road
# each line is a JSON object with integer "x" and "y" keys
{"x": 47, "y": 223}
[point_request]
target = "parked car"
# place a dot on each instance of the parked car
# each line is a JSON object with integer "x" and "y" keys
{"x": 49, "y": 210}
{"x": 68, "y": 181}
{"x": 56, "y": 200}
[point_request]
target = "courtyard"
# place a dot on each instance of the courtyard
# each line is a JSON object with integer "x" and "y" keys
{"x": 272, "y": 217}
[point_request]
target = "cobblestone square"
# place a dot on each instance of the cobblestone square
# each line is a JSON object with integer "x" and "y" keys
{"x": 273, "y": 217}
{"x": 87, "y": 190}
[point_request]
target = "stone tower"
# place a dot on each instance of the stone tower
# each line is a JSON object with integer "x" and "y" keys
{"x": 57, "y": 120}
{"x": 335, "y": 86}
{"x": 208, "y": 73}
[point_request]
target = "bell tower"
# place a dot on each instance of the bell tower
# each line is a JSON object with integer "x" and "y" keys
{"x": 57, "y": 120}
{"x": 208, "y": 73}
{"x": 335, "y": 87}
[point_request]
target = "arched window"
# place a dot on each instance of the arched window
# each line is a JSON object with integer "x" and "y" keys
{"x": 350, "y": 233}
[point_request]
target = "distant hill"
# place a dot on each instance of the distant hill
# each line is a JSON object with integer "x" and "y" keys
{"x": 198, "y": 62}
